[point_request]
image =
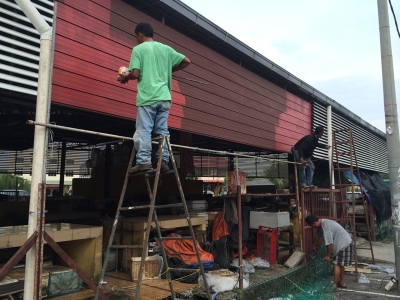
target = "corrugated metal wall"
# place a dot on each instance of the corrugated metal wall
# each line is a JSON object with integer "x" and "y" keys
{"x": 19, "y": 47}
{"x": 94, "y": 38}
{"x": 371, "y": 150}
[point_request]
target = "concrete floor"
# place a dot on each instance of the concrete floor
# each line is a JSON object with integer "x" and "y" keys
{"x": 375, "y": 289}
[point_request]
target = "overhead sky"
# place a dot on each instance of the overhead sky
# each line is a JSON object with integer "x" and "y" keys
{"x": 333, "y": 45}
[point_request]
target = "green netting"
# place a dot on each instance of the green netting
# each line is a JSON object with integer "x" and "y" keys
{"x": 383, "y": 230}
{"x": 312, "y": 280}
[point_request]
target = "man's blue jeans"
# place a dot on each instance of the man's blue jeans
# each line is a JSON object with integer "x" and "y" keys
{"x": 150, "y": 119}
{"x": 306, "y": 173}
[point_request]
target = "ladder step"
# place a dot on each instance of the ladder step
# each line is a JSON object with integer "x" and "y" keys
{"x": 119, "y": 289}
{"x": 345, "y": 153}
{"x": 141, "y": 173}
{"x": 342, "y": 142}
{"x": 342, "y": 169}
{"x": 169, "y": 238}
{"x": 363, "y": 248}
{"x": 148, "y": 206}
{"x": 341, "y": 130}
{"x": 126, "y": 246}
{"x": 149, "y": 173}
{"x": 157, "y": 138}
{"x": 153, "y": 174}
{"x": 345, "y": 184}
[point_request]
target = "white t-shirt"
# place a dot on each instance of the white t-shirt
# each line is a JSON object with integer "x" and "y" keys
{"x": 335, "y": 234}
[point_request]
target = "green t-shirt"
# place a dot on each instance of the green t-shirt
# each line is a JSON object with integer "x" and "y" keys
{"x": 154, "y": 61}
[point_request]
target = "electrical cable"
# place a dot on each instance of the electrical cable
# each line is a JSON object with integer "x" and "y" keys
{"x": 394, "y": 16}
{"x": 380, "y": 285}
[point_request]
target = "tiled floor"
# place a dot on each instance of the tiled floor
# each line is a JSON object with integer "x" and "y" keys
{"x": 150, "y": 290}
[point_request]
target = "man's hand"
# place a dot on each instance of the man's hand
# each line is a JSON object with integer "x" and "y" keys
{"x": 303, "y": 162}
{"x": 327, "y": 258}
{"x": 123, "y": 79}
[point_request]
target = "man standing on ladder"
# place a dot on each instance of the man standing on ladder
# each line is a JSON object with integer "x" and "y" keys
{"x": 152, "y": 64}
{"x": 303, "y": 151}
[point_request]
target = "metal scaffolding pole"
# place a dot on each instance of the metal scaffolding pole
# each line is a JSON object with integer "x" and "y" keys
{"x": 392, "y": 127}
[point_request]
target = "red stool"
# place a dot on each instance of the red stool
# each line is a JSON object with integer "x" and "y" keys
{"x": 266, "y": 243}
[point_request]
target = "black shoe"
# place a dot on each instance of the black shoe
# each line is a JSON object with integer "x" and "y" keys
{"x": 164, "y": 167}
{"x": 140, "y": 168}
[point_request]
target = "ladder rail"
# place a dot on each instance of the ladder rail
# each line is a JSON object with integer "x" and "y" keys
{"x": 149, "y": 220}
{"x": 115, "y": 224}
{"x": 152, "y": 192}
{"x": 189, "y": 220}
{"x": 339, "y": 148}
{"x": 164, "y": 255}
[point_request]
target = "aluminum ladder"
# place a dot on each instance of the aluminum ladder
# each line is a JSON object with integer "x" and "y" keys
{"x": 152, "y": 215}
{"x": 343, "y": 209}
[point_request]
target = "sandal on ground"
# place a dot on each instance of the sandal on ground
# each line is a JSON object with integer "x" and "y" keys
{"x": 341, "y": 286}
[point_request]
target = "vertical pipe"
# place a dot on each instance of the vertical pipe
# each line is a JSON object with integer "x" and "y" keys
{"x": 39, "y": 159}
{"x": 40, "y": 138}
{"x": 331, "y": 174}
{"x": 62, "y": 168}
{"x": 392, "y": 127}
{"x": 329, "y": 129}
{"x": 107, "y": 171}
{"x": 240, "y": 235}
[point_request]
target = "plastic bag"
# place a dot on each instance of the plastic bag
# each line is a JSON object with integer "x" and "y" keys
{"x": 221, "y": 283}
{"x": 385, "y": 269}
{"x": 157, "y": 257}
{"x": 363, "y": 279}
{"x": 248, "y": 267}
{"x": 259, "y": 262}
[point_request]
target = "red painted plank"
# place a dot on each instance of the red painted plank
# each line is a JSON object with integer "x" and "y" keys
{"x": 94, "y": 38}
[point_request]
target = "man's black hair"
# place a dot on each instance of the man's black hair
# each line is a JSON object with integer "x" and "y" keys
{"x": 311, "y": 219}
{"x": 319, "y": 129}
{"x": 145, "y": 28}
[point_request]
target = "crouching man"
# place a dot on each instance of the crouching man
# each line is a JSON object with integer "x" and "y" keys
{"x": 339, "y": 246}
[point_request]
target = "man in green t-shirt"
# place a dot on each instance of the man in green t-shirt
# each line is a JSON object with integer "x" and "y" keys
{"x": 152, "y": 64}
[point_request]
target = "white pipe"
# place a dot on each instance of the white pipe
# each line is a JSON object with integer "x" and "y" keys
{"x": 36, "y": 18}
{"x": 329, "y": 130}
{"x": 331, "y": 173}
{"x": 370, "y": 293}
{"x": 40, "y": 139}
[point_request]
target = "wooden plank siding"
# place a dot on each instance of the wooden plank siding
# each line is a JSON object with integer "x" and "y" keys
{"x": 94, "y": 38}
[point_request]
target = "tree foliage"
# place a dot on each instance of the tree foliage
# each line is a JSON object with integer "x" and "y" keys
{"x": 277, "y": 172}
{"x": 11, "y": 182}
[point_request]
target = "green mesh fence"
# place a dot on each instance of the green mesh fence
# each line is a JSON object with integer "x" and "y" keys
{"x": 312, "y": 280}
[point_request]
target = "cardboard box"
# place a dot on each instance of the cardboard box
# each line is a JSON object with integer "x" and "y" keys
{"x": 269, "y": 219}
{"x": 231, "y": 182}
{"x": 294, "y": 259}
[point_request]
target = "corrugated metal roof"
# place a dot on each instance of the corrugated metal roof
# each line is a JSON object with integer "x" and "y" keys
{"x": 371, "y": 150}
{"x": 20, "y": 44}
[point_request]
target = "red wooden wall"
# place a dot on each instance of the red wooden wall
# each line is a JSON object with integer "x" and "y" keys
{"x": 94, "y": 38}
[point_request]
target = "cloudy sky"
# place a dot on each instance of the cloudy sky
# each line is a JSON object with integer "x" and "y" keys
{"x": 333, "y": 45}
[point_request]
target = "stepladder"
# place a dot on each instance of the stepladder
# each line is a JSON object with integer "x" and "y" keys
{"x": 152, "y": 188}
{"x": 351, "y": 209}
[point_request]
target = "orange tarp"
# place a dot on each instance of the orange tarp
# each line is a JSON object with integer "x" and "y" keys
{"x": 184, "y": 250}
